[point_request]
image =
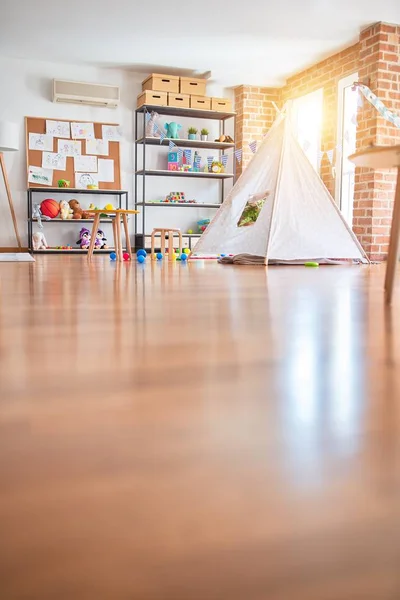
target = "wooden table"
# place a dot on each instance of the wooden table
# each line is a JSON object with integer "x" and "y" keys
{"x": 115, "y": 215}
{"x": 386, "y": 157}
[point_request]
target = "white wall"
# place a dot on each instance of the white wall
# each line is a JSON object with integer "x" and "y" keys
{"x": 26, "y": 91}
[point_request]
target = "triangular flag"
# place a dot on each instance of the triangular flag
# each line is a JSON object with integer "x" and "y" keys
{"x": 162, "y": 136}
{"x": 330, "y": 155}
{"x": 188, "y": 156}
{"x": 148, "y": 117}
{"x": 180, "y": 153}
{"x": 320, "y": 155}
{"x": 354, "y": 119}
{"x": 253, "y": 146}
{"x": 339, "y": 147}
{"x": 306, "y": 145}
{"x": 238, "y": 155}
{"x": 171, "y": 145}
{"x": 346, "y": 136}
{"x": 224, "y": 160}
{"x": 210, "y": 160}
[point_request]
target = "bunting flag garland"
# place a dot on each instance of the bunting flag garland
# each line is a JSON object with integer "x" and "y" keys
{"x": 210, "y": 162}
{"x": 346, "y": 136}
{"x": 354, "y": 119}
{"x": 330, "y": 156}
{"x": 197, "y": 161}
{"x": 253, "y": 146}
{"x": 162, "y": 136}
{"x": 224, "y": 160}
{"x": 378, "y": 104}
{"x": 306, "y": 145}
{"x": 320, "y": 156}
{"x": 171, "y": 145}
{"x": 180, "y": 153}
{"x": 238, "y": 155}
{"x": 156, "y": 129}
{"x": 148, "y": 117}
{"x": 188, "y": 156}
{"x": 339, "y": 148}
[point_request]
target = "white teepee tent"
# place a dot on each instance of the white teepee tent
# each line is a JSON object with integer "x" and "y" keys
{"x": 298, "y": 222}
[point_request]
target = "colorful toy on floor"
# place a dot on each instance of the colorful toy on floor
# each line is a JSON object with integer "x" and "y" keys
{"x": 141, "y": 252}
{"x": 50, "y": 208}
{"x": 113, "y": 256}
{"x": 172, "y": 130}
{"x": 84, "y": 238}
{"x": 183, "y": 256}
{"x": 141, "y": 258}
{"x": 39, "y": 241}
{"x": 126, "y": 256}
{"x": 159, "y": 256}
{"x": 186, "y": 250}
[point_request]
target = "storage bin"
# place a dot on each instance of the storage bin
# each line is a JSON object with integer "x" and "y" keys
{"x": 178, "y": 100}
{"x": 154, "y": 98}
{"x": 221, "y": 104}
{"x": 161, "y": 83}
{"x": 201, "y": 102}
{"x": 189, "y": 85}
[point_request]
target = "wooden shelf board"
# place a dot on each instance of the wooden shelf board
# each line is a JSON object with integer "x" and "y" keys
{"x": 179, "y": 204}
{"x": 151, "y": 141}
{"x": 71, "y": 220}
{"x": 187, "y": 112}
{"x": 194, "y": 174}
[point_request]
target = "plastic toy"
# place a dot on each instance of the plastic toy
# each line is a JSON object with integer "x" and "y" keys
{"x": 50, "y": 208}
{"x": 183, "y": 256}
{"x": 172, "y": 130}
{"x": 186, "y": 250}
{"x": 84, "y": 238}
{"x": 141, "y": 258}
{"x": 173, "y": 161}
{"x": 217, "y": 167}
{"x": 63, "y": 183}
{"x": 65, "y": 210}
{"x": 202, "y": 225}
{"x": 190, "y": 231}
{"x": 113, "y": 256}
{"x": 126, "y": 256}
{"x": 141, "y": 252}
{"x": 159, "y": 256}
{"x": 109, "y": 207}
{"x": 39, "y": 241}
{"x": 311, "y": 264}
{"x": 101, "y": 240}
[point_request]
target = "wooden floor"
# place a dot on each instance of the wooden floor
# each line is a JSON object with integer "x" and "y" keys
{"x": 198, "y": 432}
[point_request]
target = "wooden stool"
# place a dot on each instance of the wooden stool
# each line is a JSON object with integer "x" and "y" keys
{"x": 163, "y": 233}
{"x": 115, "y": 216}
{"x": 386, "y": 157}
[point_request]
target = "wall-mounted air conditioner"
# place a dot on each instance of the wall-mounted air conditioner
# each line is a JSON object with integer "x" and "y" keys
{"x": 94, "y": 94}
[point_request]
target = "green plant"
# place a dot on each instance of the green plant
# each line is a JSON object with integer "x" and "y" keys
{"x": 192, "y": 130}
{"x": 204, "y": 131}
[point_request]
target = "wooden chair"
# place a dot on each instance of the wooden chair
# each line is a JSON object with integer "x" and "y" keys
{"x": 164, "y": 232}
{"x": 386, "y": 157}
{"x": 115, "y": 215}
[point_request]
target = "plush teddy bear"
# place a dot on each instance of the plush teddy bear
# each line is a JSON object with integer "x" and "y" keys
{"x": 172, "y": 130}
{"x": 65, "y": 210}
{"x": 39, "y": 241}
{"x": 77, "y": 212}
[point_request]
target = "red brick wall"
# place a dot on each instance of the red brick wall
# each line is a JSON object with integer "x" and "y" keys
{"x": 379, "y": 68}
{"x": 376, "y": 56}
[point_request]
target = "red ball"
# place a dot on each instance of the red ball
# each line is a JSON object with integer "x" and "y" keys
{"x": 126, "y": 256}
{"x": 50, "y": 208}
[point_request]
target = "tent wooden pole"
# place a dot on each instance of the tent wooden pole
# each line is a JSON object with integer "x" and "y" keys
{"x": 393, "y": 254}
{"x": 10, "y": 200}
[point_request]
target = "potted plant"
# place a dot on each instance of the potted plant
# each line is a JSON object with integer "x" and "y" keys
{"x": 192, "y": 131}
{"x": 204, "y": 135}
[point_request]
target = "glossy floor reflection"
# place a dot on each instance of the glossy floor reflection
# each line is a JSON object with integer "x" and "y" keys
{"x": 176, "y": 432}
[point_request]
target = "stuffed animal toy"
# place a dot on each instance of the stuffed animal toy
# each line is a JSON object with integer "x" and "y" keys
{"x": 101, "y": 240}
{"x": 152, "y": 127}
{"x": 39, "y": 241}
{"x": 84, "y": 238}
{"x": 65, "y": 210}
{"x": 77, "y": 212}
{"x": 172, "y": 130}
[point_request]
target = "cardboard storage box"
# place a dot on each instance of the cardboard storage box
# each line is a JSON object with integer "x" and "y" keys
{"x": 201, "y": 102}
{"x": 221, "y": 104}
{"x": 161, "y": 83}
{"x": 154, "y": 98}
{"x": 178, "y": 100}
{"x": 189, "y": 85}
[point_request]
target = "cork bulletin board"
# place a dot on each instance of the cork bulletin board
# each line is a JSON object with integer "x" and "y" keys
{"x": 105, "y": 158}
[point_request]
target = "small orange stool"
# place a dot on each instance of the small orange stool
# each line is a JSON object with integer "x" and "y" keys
{"x": 115, "y": 215}
{"x": 170, "y": 232}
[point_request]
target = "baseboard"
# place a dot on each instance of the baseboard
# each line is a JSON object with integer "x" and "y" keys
{"x": 13, "y": 249}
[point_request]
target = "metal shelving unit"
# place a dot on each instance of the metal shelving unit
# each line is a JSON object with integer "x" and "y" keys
{"x": 122, "y": 196}
{"x": 142, "y": 141}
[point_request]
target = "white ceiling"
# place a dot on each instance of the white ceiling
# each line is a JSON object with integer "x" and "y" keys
{"x": 258, "y": 42}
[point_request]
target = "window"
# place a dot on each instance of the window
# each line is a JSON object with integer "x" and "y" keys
{"x": 307, "y": 124}
{"x": 346, "y": 145}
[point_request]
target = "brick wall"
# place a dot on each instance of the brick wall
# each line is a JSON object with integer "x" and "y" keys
{"x": 379, "y": 68}
{"x": 375, "y": 56}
